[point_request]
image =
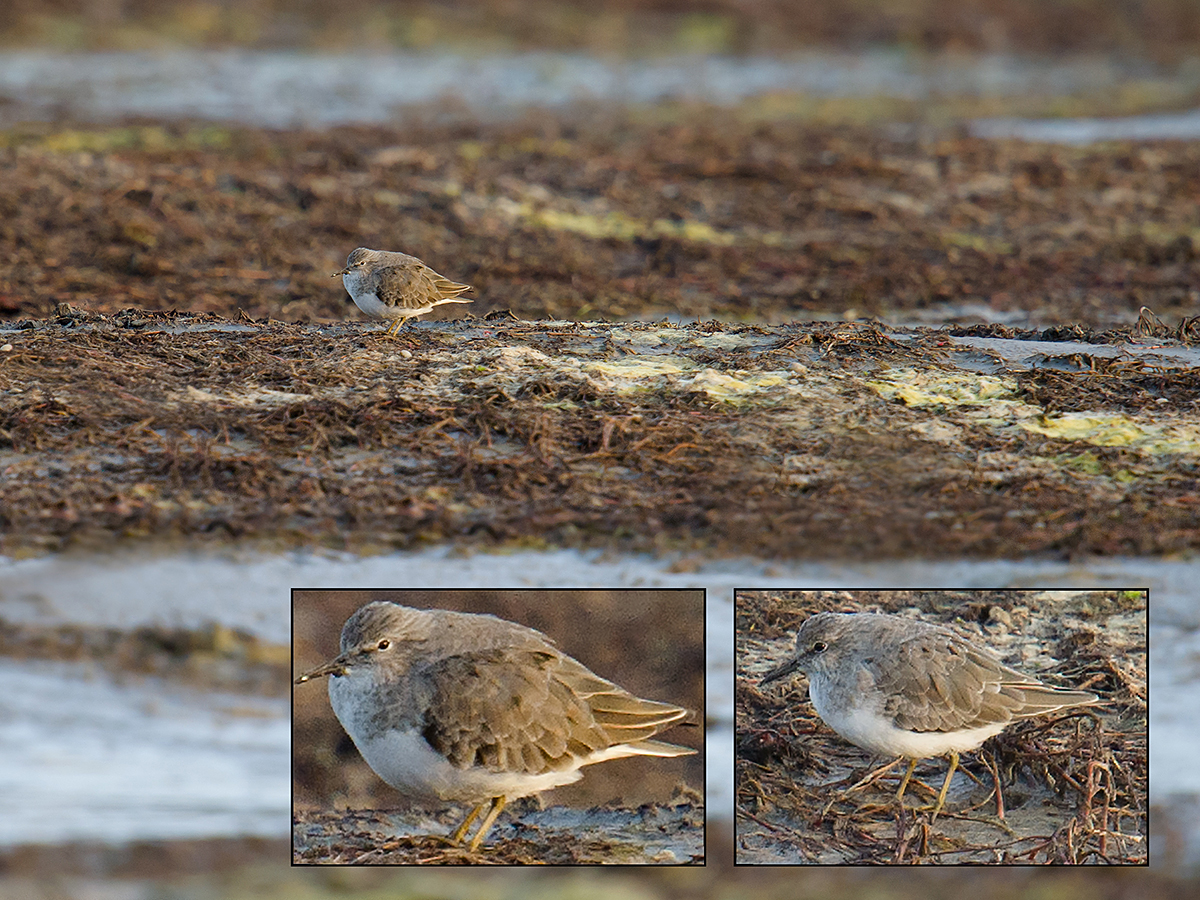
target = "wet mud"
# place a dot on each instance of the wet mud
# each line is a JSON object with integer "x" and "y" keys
{"x": 176, "y": 361}
{"x": 808, "y": 441}
{"x": 651, "y": 835}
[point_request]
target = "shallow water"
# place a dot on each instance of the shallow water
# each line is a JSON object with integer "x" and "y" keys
{"x": 88, "y": 757}
{"x": 1183, "y": 126}
{"x": 282, "y": 89}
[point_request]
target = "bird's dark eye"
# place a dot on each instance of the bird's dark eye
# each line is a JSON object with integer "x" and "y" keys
{"x": 819, "y": 647}
{"x": 384, "y": 644}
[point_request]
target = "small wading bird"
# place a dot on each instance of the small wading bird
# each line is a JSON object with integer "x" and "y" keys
{"x": 396, "y": 286}
{"x": 902, "y": 687}
{"x": 449, "y": 706}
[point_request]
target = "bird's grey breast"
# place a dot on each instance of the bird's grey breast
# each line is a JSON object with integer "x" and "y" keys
{"x": 358, "y": 282}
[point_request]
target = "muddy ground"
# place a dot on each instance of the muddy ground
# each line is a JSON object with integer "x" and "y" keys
{"x": 652, "y": 834}
{"x": 241, "y": 414}
{"x": 1150, "y": 29}
{"x": 752, "y": 215}
{"x": 176, "y": 360}
{"x": 806, "y": 441}
{"x": 1074, "y": 787}
{"x": 202, "y": 869}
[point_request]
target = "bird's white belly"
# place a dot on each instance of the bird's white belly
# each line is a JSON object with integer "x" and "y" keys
{"x": 405, "y": 760}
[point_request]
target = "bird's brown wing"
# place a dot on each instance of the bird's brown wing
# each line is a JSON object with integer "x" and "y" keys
{"x": 530, "y": 710}
{"x": 413, "y": 285}
{"x": 936, "y": 681}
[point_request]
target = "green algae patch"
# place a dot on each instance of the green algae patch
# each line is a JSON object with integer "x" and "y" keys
{"x": 637, "y": 373}
{"x": 139, "y": 138}
{"x": 1117, "y": 431}
{"x": 990, "y": 401}
{"x": 736, "y": 389}
{"x": 616, "y": 225}
{"x": 921, "y": 389}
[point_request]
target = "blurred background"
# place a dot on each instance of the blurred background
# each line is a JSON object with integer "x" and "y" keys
{"x": 749, "y": 160}
{"x": 1159, "y": 31}
{"x": 754, "y": 161}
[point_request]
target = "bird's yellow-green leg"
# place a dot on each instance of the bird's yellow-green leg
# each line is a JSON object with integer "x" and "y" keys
{"x": 396, "y": 325}
{"x": 946, "y": 784}
{"x": 488, "y": 822}
{"x": 912, "y": 764}
{"x": 459, "y": 832}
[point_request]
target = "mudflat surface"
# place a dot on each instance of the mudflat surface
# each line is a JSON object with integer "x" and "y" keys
{"x": 175, "y": 359}
{"x": 649, "y": 835}
{"x": 807, "y": 441}
{"x": 1152, "y": 29}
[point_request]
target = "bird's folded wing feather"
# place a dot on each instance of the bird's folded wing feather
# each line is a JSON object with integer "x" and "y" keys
{"x": 937, "y": 682}
{"x": 413, "y": 285}
{"x": 531, "y": 710}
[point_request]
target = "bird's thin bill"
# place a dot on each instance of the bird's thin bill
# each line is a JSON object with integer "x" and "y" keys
{"x": 780, "y": 671}
{"x": 333, "y": 667}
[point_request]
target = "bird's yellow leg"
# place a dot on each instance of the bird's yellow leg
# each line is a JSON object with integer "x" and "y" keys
{"x": 946, "y": 784}
{"x": 912, "y": 764}
{"x": 497, "y": 806}
{"x": 459, "y": 832}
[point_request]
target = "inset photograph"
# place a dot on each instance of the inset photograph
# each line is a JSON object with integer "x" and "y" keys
{"x": 902, "y": 727}
{"x": 427, "y": 725}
